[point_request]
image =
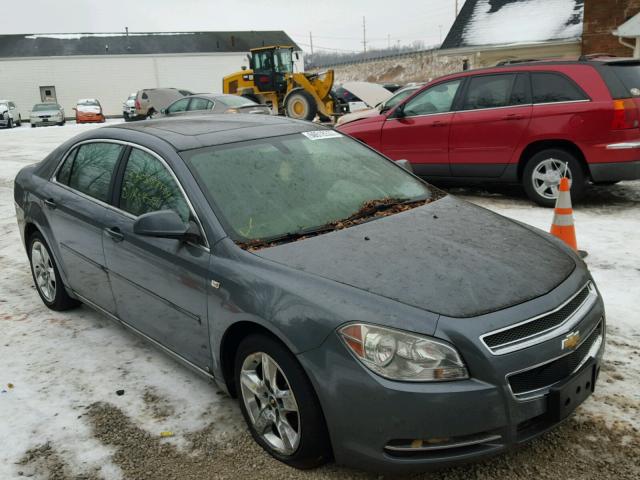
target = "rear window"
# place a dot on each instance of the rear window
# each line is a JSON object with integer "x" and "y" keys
{"x": 629, "y": 75}
{"x": 553, "y": 87}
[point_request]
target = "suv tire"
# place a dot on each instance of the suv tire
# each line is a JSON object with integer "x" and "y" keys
{"x": 542, "y": 174}
{"x": 262, "y": 401}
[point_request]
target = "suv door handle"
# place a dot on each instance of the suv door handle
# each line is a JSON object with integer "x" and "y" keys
{"x": 50, "y": 203}
{"x": 513, "y": 116}
{"x": 115, "y": 234}
{"x": 438, "y": 123}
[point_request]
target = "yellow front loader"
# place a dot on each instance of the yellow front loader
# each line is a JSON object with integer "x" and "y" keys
{"x": 271, "y": 80}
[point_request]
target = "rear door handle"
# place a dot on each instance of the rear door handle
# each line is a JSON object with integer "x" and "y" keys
{"x": 115, "y": 234}
{"x": 50, "y": 203}
{"x": 439, "y": 124}
{"x": 513, "y": 116}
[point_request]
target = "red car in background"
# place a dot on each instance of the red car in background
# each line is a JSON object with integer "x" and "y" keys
{"x": 519, "y": 123}
{"x": 89, "y": 110}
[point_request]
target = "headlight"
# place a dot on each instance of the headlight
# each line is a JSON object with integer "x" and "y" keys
{"x": 399, "y": 355}
{"x": 231, "y": 110}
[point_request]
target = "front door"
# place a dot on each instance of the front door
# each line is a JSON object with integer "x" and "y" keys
{"x": 420, "y": 132}
{"x": 160, "y": 284}
{"x": 74, "y": 205}
{"x": 494, "y": 115}
{"x": 48, "y": 94}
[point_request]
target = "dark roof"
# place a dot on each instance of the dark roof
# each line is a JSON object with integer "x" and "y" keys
{"x": 513, "y": 22}
{"x": 187, "y": 133}
{"x": 69, "y": 44}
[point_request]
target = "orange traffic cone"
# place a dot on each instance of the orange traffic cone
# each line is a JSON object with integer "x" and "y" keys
{"x": 562, "y": 226}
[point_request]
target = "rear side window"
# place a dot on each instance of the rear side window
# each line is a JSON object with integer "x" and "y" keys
{"x": 552, "y": 87}
{"x": 489, "y": 91}
{"x": 200, "y": 104}
{"x": 147, "y": 186}
{"x": 521, "y": 93}
{"x": 91, "y": 169}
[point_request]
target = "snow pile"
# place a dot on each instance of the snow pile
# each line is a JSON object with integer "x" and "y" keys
{"x": 523, "y": 22}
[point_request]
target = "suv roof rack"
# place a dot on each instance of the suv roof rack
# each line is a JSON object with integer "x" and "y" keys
{"x": 591, "y": 56}
{"x": 514, "y": 61}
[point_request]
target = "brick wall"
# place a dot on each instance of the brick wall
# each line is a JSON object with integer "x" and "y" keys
{"x": 601, "y": 17}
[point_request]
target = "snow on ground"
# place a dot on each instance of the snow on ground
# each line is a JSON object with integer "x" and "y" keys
{"x": 60, "y": 363}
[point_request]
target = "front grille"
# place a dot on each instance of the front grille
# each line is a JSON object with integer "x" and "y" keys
{"x": 540, "y": 325}
{"x": 554, "y": 371}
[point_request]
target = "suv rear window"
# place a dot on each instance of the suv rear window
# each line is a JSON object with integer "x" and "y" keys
{"x": 553, "y": 87}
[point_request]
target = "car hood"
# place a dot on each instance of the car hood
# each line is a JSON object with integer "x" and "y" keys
{"x": 448, "y": 257}
{"x": 370, "y": 93}
{"x": 359, "y": 115}
{"x": 41, "y": 113}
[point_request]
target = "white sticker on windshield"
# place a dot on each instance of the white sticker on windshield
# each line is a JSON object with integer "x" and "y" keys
{"x": 321, "y": 134}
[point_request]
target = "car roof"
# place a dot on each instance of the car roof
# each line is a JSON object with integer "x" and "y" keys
{"x": 187, "y": 133}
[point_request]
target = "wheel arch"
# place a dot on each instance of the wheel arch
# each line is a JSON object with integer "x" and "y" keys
{"x": 539, "y": 145}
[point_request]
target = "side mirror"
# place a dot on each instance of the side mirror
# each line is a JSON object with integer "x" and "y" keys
{"x": 404, "y": 163}
{"x": 399, "y": 111}
{"x": 163, "y": 224}
{"x": 74, "y": 108}
{"x": 163, "y": 111}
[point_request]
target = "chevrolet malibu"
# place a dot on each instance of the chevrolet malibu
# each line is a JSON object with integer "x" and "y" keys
{"x": 357, "y": 313}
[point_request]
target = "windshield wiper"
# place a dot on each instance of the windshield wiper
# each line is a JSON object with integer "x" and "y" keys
{"x": 371, "y": 207}
{"x": 288, "y": 237}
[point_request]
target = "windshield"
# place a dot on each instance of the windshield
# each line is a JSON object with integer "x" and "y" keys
{"x": 40, "y": 107}
{"x": 280, "y": 185}
{"x": 88, "y": 102}
{"x": 398, "y": 97}
{"x": 3, "y": 106}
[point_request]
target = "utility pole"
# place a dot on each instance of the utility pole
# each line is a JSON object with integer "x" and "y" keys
{"x": 311, "y": 42}
{"x": 456, "y": 13}
{"x": 389, "y": 41}
{"x": 364, "y": 36}
{"x": 440, "y": 26}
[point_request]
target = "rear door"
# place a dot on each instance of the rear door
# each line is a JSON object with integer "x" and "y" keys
{"x": 494, "y": 115}
{"x": 419, "y": 131}
{"x": 160, "y": 284}
{"x": 76, "y": 208}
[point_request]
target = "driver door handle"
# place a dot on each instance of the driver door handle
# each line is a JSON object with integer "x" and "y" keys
{"x": 513, "y": 116}
{"x": 115, "y": 234}
{"x": 50, "y": 203}
{"x": 439, "y": 123}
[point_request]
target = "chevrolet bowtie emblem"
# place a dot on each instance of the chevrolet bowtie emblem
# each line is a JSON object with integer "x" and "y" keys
{"x": 571, "y": 341}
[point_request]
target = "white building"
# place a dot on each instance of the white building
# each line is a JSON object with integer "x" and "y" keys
{"x": 110, "y": 66}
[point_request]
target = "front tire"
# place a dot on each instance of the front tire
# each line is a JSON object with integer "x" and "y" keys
{"x": 301, "y": 105}
{"x": 279, "y": 403}
{"x": 10, "y": 123}
{"x": 46, "y": 275}
{"x": 542, "y": 173}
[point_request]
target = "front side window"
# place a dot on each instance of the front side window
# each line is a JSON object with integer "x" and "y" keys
{"x": 437, "y": 99}
{"x": 488, "y": 91}
{"x": 270, "y": 187}
{"x": 91, "y": 169}
{"x": 147, "y": 186}
{"x": 200, "y": 104}
{"x": 398, "y": 97}
{"x": 179, "y": 106}
{"x": 553, "y": 87}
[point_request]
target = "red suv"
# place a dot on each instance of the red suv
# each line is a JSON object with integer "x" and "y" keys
{"x": 519, "y": 123}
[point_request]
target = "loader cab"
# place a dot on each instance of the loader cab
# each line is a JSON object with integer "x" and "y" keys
{"x": 271, "y": 67}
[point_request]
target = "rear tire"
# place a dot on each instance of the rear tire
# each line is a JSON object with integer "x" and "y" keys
{"x": 300, "y": 105}
{"x": 46, "y": 275}
{"x": 10, "y": 123}
{"x": 283, "y": 402}
{"x": 541, "y": 176}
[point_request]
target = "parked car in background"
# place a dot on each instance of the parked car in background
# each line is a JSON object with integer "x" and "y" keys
{"x": 207, "y": 103}
{"x": 355, "y": 311}
{"x": 43, "y": 114}
{"x": 89, "y": 110}
{"x": 129, "y": 108}
{"x": 9, "y": 115}
{"x": 519, "y": 123}
{"x": 391, "y": 102}
{"x": 151, "y": 101}
{"x": 392, "y": 87}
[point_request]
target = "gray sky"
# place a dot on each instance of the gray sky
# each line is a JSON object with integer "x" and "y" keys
{"x": 336, "y": 24}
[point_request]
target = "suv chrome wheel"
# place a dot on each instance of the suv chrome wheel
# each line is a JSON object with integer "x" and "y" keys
{"x": 270, "y": 403}
{"x": 546, "y": 177}
{"x": 43, "y": 271}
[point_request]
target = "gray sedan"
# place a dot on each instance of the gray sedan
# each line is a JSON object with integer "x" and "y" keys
{"x": 206, "y": 103}
{"x": 43, "y": 114}
{"x": 355, "y": 311}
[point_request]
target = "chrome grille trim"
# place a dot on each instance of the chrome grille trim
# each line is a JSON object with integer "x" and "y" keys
{"x": 565, "y": 326}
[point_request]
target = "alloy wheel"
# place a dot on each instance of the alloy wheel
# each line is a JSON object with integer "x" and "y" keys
{"x": 270, "y": 403}
{"x": 546, "y": 177}
{"x": 43, "y": 271}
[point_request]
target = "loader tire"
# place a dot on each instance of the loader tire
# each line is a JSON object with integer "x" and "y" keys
{"x": 300, "y": 105}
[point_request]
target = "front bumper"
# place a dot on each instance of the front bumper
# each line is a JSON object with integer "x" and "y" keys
{"x": 49, "y": 121}
{"x": 387, "y": 426}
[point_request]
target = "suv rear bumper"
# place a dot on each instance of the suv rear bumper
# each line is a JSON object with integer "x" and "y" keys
{"x": 615, "y": 171}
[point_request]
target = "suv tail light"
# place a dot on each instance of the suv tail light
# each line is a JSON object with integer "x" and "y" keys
{"x": 625, "y": 114}
{"x": 137, "y": 104}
